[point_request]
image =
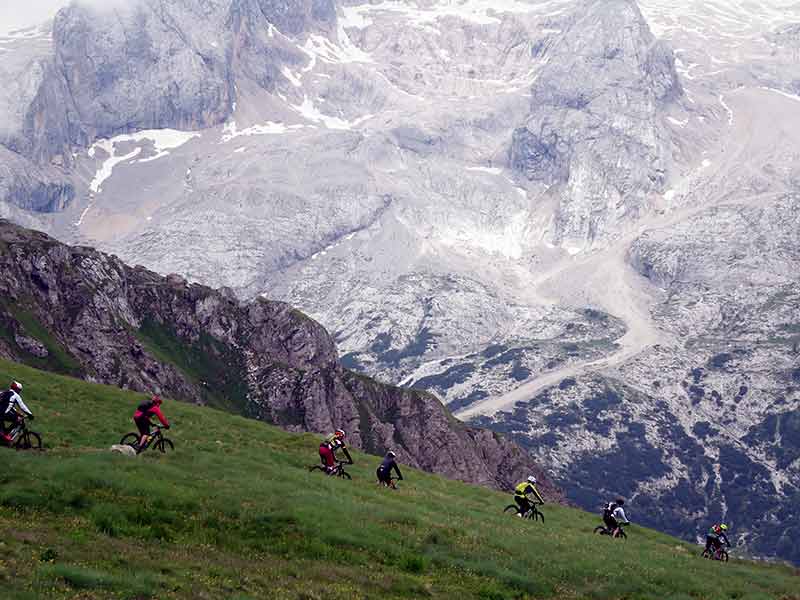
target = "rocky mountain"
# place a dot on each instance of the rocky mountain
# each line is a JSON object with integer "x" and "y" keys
{"x": 594, "y": 127}
{"x": 82, "y": 312}
{"x": 572, "y": 220}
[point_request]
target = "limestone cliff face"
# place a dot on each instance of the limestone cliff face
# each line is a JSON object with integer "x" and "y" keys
{"x": 593, "y": 130}
{"x": 76, "y": 310}
{"x": 147, "y": 64}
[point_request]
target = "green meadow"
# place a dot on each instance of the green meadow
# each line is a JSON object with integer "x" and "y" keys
{"x": 234, "y": 513}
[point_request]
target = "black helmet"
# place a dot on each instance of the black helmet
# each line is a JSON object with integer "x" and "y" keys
{"x": 620, "y": 502}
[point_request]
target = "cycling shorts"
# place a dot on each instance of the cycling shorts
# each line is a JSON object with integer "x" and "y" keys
{"x": 326, "y": 455}
{"x": 143, "y": 424}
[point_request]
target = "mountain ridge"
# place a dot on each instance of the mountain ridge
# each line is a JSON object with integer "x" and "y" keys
{"x": 78, "y": 311}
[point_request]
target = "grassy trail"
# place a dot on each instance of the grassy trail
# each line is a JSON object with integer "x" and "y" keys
{"x": 233, "y": 513}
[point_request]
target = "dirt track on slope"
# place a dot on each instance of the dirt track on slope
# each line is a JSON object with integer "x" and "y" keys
{"x": 605, "y": 278}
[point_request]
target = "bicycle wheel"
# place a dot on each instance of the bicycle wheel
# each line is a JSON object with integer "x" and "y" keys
{"x": 722, "y": 555}
{"x": 600, "y": 530}
{"x": 130, "y": 439}
{"x": 511, "y": 508}
{"x": 165, "y": 444}
{"x": 29, "y": 440}
{"x": 537, "y": 515}
{"x": 344, "y": 475}
{"x": 622, "y": 535}
{"x": 313, "y": 468}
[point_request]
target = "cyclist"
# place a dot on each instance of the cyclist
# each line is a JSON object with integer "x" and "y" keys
{"x": 384, "y": 472}
{"x": 522, "y": 495}
{"x": 142, "y": 417}
{"x": 614, "y": 516}
{"x": 11, "y": 409}
{"x": 715, "y": 537}
{"x": 328, "y": 448}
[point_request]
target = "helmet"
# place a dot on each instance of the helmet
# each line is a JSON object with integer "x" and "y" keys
{"x": 339, "y": 433}
{"x": 723, "y": 527}
{"x": 391, "y": 454}
{"x": 532, "y": 479}
{"x": 16, "y": 386}
{"x": 156, "y": 399}
{"x": 620, "y": 502}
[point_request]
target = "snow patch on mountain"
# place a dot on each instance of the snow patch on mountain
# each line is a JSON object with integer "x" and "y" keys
{"x": 163, "y": 140}
{"x": 783, "y": 93}
{"x": 230, "y": 130}
{"x": 480, "y": 12}
{"x": 310, "y": 111}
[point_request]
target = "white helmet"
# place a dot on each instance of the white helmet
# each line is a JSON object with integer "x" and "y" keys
{"x": 532, "y": 479}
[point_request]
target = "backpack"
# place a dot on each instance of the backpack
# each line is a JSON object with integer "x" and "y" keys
{"x": 145, "y": 407}
{"x": 5, "y": 400}
{"x": 609, "y": 509}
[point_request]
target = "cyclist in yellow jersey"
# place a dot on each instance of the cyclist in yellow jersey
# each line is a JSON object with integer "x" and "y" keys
{"x": 329, "y": 446}
{"x": 522, "y": 495}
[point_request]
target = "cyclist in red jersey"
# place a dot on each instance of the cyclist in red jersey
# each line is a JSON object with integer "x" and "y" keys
{"x": 144, "y": 412}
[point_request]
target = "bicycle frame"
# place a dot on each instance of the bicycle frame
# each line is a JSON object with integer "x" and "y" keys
{"x": 17, "y": 431}
{"x": 152, "y": 437}
{"x": 534, "y": 509}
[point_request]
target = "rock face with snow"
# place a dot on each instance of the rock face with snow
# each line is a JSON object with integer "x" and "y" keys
{"x": 76, "y": 310}
{"x": 707, "y": 417}
{"x": 594, "y": 127}
{"x": 142, "y": 65}
{"x": 490, "y": 200}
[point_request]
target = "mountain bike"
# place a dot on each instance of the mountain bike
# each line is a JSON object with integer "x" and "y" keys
{"x": 338, "y": 470}
{"x": 603, "y": 530}
{"x": 156, "y": 440}
{"x": 23, "y": 438}
{"x": 532, "y": 513}
{"x": 716, "y": 554}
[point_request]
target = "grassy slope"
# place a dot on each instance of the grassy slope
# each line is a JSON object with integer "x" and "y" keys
{"x": 233, "y": 514}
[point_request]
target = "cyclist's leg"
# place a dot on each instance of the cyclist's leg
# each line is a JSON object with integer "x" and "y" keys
{"x": 143, "y": 425}
{"x": 523, "y": 503}
{"x": 327, "y": 458}
{"x": 610, "y": 523}
{"x": 13, "y": 420}
{"x": 717, "y": 545}
{"x": 617, "y": 527}
{"x": 384, "y": 477}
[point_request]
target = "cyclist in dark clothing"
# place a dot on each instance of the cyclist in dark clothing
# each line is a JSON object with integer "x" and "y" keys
{"x": 716, "y": 536}
{"x": 614, "y": 516}
{"x": 384, "y": 472}
{"x": 12, "y": 409}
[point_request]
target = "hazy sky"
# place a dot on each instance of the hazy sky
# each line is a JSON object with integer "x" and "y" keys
{"x": 21, "y": 13}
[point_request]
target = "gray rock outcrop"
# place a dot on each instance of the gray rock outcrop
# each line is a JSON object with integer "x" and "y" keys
{"x": 593, "y": 131}
{"x": 124, "y": 450}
